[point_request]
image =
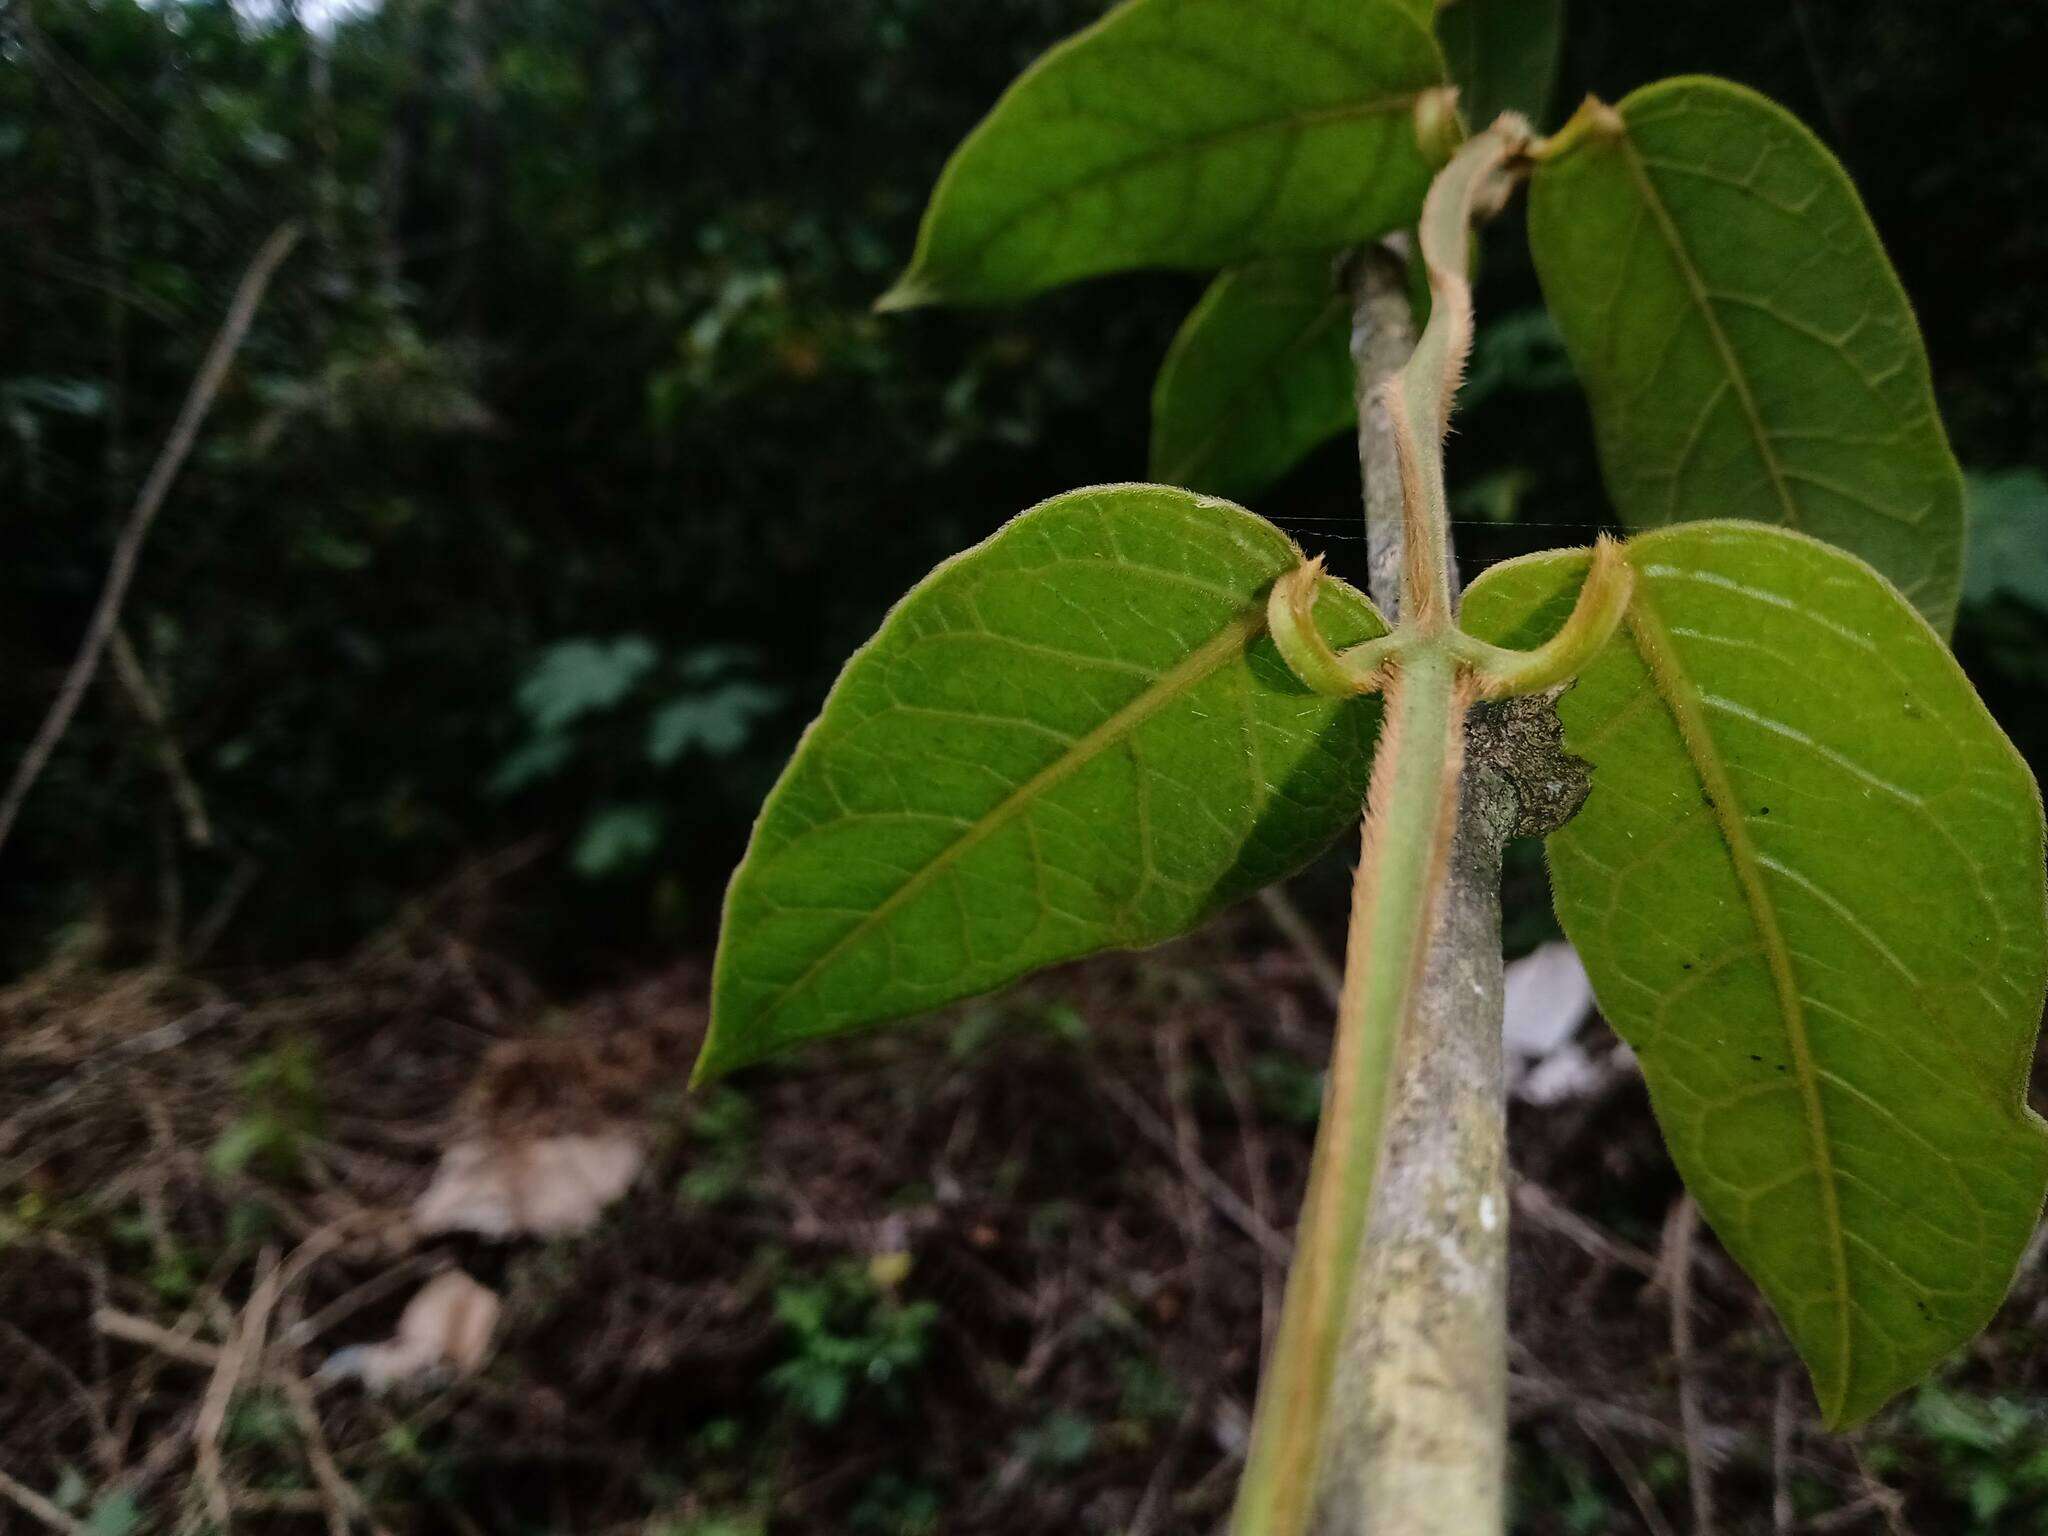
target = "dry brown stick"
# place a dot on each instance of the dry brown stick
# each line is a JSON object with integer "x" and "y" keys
{"x": 1295, "y": 928}
{"x": 106, "y": 1448}
{"x": 1152, "y": 1503}
{"x": 170, "y": 459}
{"x": 1626, "y": 1469}
{"x": 1887, "y": 1499}
{"x": 1536, "y": 1205}
{"x": 140, "y": 1330}
{"x": 246, "y": 1345}
{"x": 387, "y": 1283}
{"x": 1229, "y": 1057}
{"x": 1679, "y": 1229}
{"x": 135, "y": 683}
{"x": 340, "y": 1502}
{"x": 1781, "y": 1457}
{"x": 33, "y": 1503}
{"x": 243, "y": 1343}
{"x": 1170, "y": 1046}
{"x": 1227, "y": 1200}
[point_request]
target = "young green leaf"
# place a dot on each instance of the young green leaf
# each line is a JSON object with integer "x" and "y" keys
{"x": 1747, "y": 350}
{"x": 1184, "y": 133}
{"x": 1073, "y": 737}
{"x": 1259, "y": 375}
{"x": 1503, "y": 55}
{"x": 1808, "y": 888}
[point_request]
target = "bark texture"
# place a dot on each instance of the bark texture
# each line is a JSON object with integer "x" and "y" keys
{"x": 1416, "y": 1439}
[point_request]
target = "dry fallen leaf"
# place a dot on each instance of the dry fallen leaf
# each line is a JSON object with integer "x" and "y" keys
{"x": 1548, "y": 998}
{"x": 447, "y": 1327}
{"x": 546, "y": 1186}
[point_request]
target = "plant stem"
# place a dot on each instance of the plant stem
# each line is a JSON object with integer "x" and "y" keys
{"x": 1384, "y": 1408}
{"x": 1411, "y": 805}
{"x": 1382, "y": 337}
{"x": 1417, "y": 1436}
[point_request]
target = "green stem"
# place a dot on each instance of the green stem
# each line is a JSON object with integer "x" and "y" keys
{"x": 1410, "y": 811}
{"x": 1411, "y": 816}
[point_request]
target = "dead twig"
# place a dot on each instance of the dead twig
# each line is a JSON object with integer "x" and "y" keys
{"x": 1230, "y": 1067}
{"x": 1154, "y": 1128}
{"x": 1295, "y": 928}
{"x": 243, "y": 1343}
{"x": 1535, "y": 1205}
{"x": 87, "y": 1404}
{"x": 140, "y": 1330}
{"x": 170, "y": 758}
{"x": 1679, "y": 1230}
{"x": 206, "y": 385}
{"x": 1631, "y": 1476}
{"x": 30, "y": 1502}
{"x": 1781, "y": 1457}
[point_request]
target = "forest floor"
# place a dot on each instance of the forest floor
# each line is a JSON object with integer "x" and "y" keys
{"x": 1005, "y": 1271}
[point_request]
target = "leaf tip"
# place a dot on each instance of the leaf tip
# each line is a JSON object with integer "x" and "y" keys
{"x": 909, "y": 292}
{"x": 710, "y": 1065}
{"x": 1595, "y": 119}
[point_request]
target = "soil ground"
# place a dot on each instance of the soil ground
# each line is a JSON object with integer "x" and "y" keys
{"x": 1004, "y": 1271}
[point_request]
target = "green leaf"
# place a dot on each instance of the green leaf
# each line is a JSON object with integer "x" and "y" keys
{"x": 716, "y": 723}
{"x": 1074, "y": 737}
{"x": 2008, "y": 537}
{"x": 1746, "y": 347}
{"x": 616, "y": 838}
{"x": 1184, "y": 133}
{"x": 117, "y": 1514}
{"x": 579, "y": 677}
{"x": 1808, "y": 889}
{"x": 1503, "y": 55}
{"x": 1259, "y": 375}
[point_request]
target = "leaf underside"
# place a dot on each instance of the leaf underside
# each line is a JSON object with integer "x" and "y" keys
{"x": 1076, "y": 736}
{"x": 1808, "y": 889}
{"x": 1184, "y": 133}
{"x": 1503, "y": 55}
{"x": 1746, "y": 348}
{"x": 1259, "y": 375}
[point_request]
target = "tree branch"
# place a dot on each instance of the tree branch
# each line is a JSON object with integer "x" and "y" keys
{"x": 192, "y": 415}
{"x": 1382, "y": 337}
{"x": 1416, "y": 1440}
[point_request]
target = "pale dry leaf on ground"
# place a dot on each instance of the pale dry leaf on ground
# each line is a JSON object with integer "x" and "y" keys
{"x": 446, "y": 1327}
{"x": 544, "y": 1186}
{"x": 1547, "y": 999}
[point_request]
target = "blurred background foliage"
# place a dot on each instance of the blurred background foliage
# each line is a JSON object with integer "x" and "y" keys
{"x": 565, "y": 463}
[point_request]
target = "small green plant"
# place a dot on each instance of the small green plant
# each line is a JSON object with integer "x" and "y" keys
{"x": 1808, "y": 879}
{"x": 894, "y": 1505}
{"x": 723, "y": 1132}
{"x": 619, "y": 708}
{"x": 283, "y": 1107}
{"x": 1059, "y": 1442}
{"x": 107, "y": 1514}
{"x": 848, "y": 1337}
{"x": 1993, "y": 1454}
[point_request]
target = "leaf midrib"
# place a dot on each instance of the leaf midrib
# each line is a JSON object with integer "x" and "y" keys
{"x": 1681, "y": 699}
{"x": 1731, "y": 364}
{"x": 1169, "y": 686}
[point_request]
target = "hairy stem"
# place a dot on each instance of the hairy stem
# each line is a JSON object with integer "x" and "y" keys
{"x": 1410, "y": 809}
{"x": 1384, "y": 1405}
